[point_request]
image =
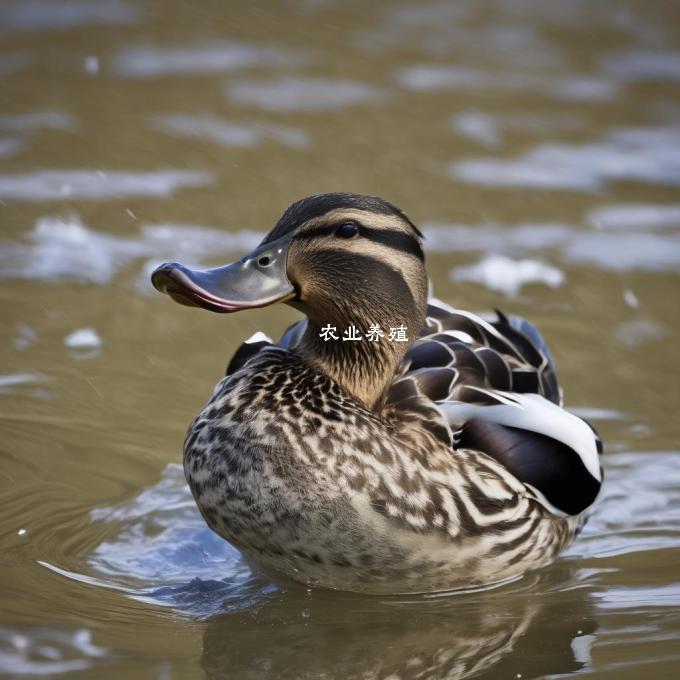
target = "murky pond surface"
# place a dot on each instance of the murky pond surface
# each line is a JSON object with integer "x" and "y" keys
{"x": 538, "y": 146}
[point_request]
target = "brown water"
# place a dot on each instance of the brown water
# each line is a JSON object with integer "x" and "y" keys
{"x": 132, "y": 133}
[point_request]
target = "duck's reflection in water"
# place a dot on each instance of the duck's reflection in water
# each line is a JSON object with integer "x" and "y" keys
{"x": 540, "y": 626}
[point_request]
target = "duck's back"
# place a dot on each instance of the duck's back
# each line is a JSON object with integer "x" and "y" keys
{"x": 494, "y": 388}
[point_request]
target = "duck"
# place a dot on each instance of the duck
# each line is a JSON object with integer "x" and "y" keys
{"x": 387, "y": 443}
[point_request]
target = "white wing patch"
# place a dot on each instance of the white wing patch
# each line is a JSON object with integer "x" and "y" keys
{"x": 534, "y": 413}
{"x": 259, "y": 336}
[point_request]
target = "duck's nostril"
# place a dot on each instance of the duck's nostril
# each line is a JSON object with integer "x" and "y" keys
{"x": 264, "y": 261}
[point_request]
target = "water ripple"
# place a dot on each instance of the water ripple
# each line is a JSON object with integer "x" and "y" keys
{"x": 211, "y": 57}
{"x": 642, "y": 65}
{"x": 635, "y": 216}
{"x": 639, "y": 509}
{"x": 41, "y": 651}
{"x": 488, "y": 129}
{"x": 303, "y": 94}
{"x": 608, "y": 249}
{"x": 230, "y": 134}
{"x": 37, "y": 120}
{"x": 164, "y": 540}
{"x": 10, "y": 145}
{"x": 443, "y": 77}
{"x": 64, "y": 249}
{"x": 503, "y": 274}
{"x": 27, "y": 15}
{"x": 57, "y": 185}
{"x": 643, "y": 154}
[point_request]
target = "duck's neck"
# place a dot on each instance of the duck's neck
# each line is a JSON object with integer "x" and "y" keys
{"x": 396, "y": 300}
{"x": 363, "y": 367}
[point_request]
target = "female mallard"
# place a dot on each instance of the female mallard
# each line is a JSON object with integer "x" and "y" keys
{"x": 434, "y": 456}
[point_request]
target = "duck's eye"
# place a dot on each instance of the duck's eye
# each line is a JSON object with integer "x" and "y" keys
{"x": 347, "y": 230}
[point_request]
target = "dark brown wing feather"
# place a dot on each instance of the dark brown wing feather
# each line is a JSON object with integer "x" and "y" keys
{"x": 508, "y": 354}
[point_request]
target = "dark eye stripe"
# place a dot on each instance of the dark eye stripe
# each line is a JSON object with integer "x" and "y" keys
{"x": 326, "y": 230}
{"x": 392, "y": 239}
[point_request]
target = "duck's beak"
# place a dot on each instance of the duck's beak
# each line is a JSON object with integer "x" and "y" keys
{"x": 256, "y": 280}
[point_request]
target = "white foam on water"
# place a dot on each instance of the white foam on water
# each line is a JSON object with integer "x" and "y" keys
{"x": 607, "y": 249}
{"x": 638, "y": 332}
{"x": 506, "y": 275}
{"x": 633, "y": 65}
{"x": 303, "y": 94}
{"x": 630, "y": 298}
{"x": 583, "y": 89}
{"x": 91, "y": 64}
{"x": 56, "y": 185}
{"x": 63, "y": 14}
{"x": 14, "y": 379}
{"x": 488, "y": 128}
{"x": 443, "y": 237}
{"x": 24, "y": 337}
{"x": 581, "y": 647}
{"x": 64, "y": 249}
{"x": 40, "y": 651}
{"x": 639, "y": 597}
{"x": 625, "y": 251}
{"x": 443, "y": 77}
{"x": 195, "y": 243}
{"x": 293, "y": 137}
{"x": 10, "y": 145}
{"x": 450, "y": 29}
{"x": 209, "y": 57}
{"x": 643, "y": 154}
{"x": 37, "y": 120}
{"x": 478, "y": 125}
{"x": 83, "y": 339}
{"x": 635, "y": 216}
{"x": 207, "y": 127}
{"x": 227, "y": 133}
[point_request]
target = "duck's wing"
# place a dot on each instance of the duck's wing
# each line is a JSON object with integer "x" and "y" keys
{"x": 494, "y": 388}
{"x": 247, "y": 350}
{"x": 257, "y": 342}
{"x": 513, "y": 353}
{"x": 293, "y": 334}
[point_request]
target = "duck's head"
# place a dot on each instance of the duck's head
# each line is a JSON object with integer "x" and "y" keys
{"x": 343, "y": 260}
